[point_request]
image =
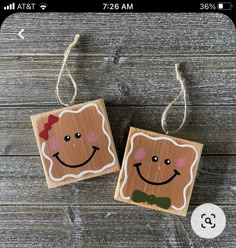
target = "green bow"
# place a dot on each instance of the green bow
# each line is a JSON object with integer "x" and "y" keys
{"x": 162, "y": 202}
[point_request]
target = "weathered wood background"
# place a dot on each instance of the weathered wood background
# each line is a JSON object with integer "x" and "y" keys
{"x": 128, "y": 59}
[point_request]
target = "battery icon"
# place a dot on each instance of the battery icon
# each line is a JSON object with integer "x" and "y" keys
{"x": 224, "y": 6}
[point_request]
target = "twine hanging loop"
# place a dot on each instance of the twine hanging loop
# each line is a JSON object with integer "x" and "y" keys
{"x": 63, "y": 67}
{"x": 182, "y": 92}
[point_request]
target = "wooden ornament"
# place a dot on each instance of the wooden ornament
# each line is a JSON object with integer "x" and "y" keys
{"x": 75, "y": 143}
{"x": 158, "y": 171}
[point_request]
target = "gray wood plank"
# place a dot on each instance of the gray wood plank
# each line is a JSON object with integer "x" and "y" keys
{"x": 214, "y": 126}
{"x": 132, "y": 227}
{"x": 38, "y": 227}
{"x": 210, "y": 80}
{"x": 23, "y": 182}
{"x": 103, "y": 226}
{"x": 109, "y": 33}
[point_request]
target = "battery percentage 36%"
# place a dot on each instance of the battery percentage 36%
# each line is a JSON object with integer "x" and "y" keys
{"x": 207, "y": 6}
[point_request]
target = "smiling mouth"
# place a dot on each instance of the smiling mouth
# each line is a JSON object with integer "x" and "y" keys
{"x": 56, "y": 155}
{"x": 155, "y": 183}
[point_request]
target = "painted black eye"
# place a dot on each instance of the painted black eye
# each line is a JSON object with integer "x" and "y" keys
{"x": 67, "y": 138}
{"x": 77, "y": 135}
{"x": 154, "y": 159}
{"x": 167, "y": 161}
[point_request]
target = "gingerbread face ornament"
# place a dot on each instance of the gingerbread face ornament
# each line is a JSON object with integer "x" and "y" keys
{"x": 75, "y": 143}
{"x": 159, "y": 170}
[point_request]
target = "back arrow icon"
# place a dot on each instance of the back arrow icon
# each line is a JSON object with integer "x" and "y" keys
{"x": 20, "y": 34}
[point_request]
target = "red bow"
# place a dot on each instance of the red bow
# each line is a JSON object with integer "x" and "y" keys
{"x": 47, "y": 126}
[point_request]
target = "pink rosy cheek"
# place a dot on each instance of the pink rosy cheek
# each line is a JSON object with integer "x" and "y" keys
{"x": 92, "y": 137}
{"x": 139, "y": 154}
{"x": 54, "y": 144}
{"x": 180, "y": 163}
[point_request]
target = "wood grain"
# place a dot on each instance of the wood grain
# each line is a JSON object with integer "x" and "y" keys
{"x": 210, "y": 80}
{"x": 150, "y": 175}
{"x": 23, "y": 182}
{"x": 110, "y": 33}
{"x": 69, "y": 158}
{"x": 103, "y": 226}
{"x": 202, "y": 125}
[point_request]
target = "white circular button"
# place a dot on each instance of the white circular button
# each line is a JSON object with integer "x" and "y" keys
{"x": 208, "y": 221}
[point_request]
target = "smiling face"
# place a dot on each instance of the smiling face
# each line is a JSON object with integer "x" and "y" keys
{"x": 155, "y": 159}
{"x": 75, "y": 143}
{"x": 156, "y": 171}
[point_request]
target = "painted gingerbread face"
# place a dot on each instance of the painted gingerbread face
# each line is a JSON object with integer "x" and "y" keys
{"x": 75, "y": 143}
{"x": 158, "y": 172}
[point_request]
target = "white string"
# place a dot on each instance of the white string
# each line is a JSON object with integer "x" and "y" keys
{"x": 63, "y": 66}
{"x": 164, "y": 115}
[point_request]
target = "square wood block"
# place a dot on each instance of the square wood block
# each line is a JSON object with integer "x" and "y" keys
{"x": 75, "y": 143}
{"x": 158, "y": 171}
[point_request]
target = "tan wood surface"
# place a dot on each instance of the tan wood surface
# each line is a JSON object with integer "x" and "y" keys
{"x": 159, "y": 167}
{"x": 75, "y": 143}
